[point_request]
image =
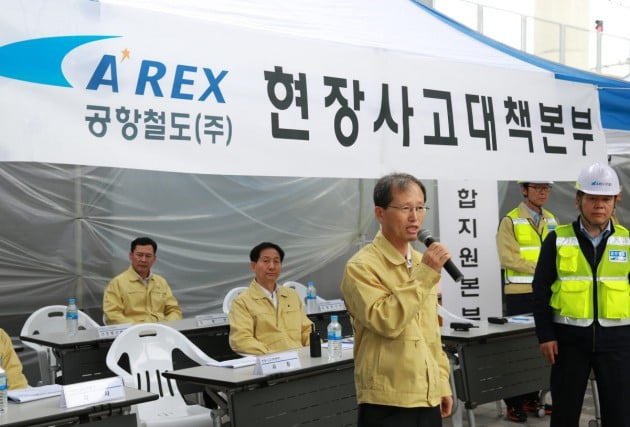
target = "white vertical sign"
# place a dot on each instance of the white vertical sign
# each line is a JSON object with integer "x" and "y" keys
{"x": 469, "y": 217}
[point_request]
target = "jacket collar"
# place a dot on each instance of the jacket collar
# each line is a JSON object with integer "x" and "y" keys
{"x": 523, "y": 212}
{"x": 258, "y": 293}
{"x": 389, "y": 251}
{"x": 133, "y": 276}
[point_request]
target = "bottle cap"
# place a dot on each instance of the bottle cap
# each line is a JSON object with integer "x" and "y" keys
{"x": 72, "y": 301}
{"x": 333, "y": 318}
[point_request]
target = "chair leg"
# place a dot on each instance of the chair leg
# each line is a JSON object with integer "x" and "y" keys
{"x": 499, "y": 409}
{"x": 43, "y": 361}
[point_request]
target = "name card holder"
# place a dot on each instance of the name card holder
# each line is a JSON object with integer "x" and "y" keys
{"x": 111, "y": 331}
{"x": 332, "y": 305}
{"x": 91, "y": 392}
{"x": 276, "y": 362}
{"x": 211, "y": 319}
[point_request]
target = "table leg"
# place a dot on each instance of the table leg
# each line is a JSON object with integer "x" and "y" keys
{"x": 458, "y": 415}
{"x": 471, "y": 417}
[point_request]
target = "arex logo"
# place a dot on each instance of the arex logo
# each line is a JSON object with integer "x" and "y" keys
{"x": 601, "y": 184}
{"x": 40, "y": 61}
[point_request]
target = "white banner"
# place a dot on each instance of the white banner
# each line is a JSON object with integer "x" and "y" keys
{"x": 468, "y": 225}
{"x": 127, "y": 88}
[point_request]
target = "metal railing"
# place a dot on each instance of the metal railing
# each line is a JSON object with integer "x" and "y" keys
{"x": 570, "y": 45}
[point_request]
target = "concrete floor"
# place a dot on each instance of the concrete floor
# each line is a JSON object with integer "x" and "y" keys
{"x": 487, "y": 416}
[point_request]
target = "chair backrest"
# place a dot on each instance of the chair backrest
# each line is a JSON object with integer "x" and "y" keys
{"x": 149, "y": 350}
{"x": 47, "y": 319}
{"x": 52, "y": 318}
{"x": 301, "y": 290}
{"x": 231, "y": 296}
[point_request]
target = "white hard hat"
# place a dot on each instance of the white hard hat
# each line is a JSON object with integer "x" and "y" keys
{"x": 522, "y": 181}
{"x": 598, "y": 179}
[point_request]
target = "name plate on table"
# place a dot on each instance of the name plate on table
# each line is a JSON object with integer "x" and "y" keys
{"x": 211, "y": 319}
{"x": 276, "y": 362}
{"x": 332, "y": 305}
{"x": 91, "y": 392}
{"x": 111, "y": 331}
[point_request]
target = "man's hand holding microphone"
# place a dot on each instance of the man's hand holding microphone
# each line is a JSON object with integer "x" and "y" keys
{"x": 437, "y": 256}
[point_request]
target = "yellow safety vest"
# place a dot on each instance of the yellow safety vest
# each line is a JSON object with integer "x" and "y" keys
{"x": 572, "y": 292}
{"x": 529, "y": 241}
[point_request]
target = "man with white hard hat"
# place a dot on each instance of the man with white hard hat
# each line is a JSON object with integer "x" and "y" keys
{"x": 582, "y": 304}
{"x": 519, "y": 238}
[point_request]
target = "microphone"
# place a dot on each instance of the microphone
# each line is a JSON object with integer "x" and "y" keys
{"x": 425, "y": 237}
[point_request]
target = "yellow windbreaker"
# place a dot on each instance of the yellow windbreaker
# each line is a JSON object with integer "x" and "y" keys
{"x": 128, "y": 300}
{"x": 518, "y": 244}
{"x": 11, "y": 363}
{"x": 398, "y": 356}
{"x": 257, "y": 327}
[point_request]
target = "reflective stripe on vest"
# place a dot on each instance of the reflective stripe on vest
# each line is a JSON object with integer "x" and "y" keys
{"x": 588, "y": 322}
{"x": 529, "y": 242}
{"x": 583, "y": 323}
{"x": 619, "y": 240}
{"x": 572, "y": 293}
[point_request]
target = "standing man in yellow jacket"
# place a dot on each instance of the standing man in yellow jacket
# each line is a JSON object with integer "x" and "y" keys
{"x": 519, "y": 238}
{"x": 401, "y": 372}
{"x": 137, "y": 294}
{"x": 267, "y": 317}
{"x": 582, "y": 304}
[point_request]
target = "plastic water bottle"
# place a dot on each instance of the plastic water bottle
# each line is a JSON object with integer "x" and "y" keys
{"x": 311, "y": 298}
{"x": 4, "y": 388}
{"x": 334, "y": 339}
{"x": 72, "y": 317}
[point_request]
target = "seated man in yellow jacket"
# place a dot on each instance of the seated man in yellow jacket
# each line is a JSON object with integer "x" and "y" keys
{"x": 11, "y": 363}
{"x": 137, "y": 295}
{"x": 266, "y": 317}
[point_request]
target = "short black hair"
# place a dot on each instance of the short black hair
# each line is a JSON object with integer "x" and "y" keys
{"x": 383, "y": 189}
{"x": 143, "y": 241}
{"x": 254, "y": 254}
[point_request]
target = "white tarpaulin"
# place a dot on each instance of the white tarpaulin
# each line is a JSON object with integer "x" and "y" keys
{"x": 131, "y": 88}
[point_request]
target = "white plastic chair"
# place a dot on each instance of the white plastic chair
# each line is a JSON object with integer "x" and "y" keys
{"x": 149, "y": 347}
{"x": 231, "y": 296}
{"x": 48, "y": 319}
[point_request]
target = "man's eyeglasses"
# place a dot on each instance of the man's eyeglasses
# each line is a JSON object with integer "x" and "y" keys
{"x": 540, "y": 188}
{"x": 420, "y": 210}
